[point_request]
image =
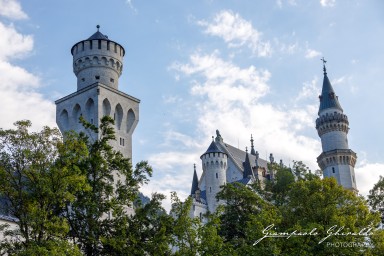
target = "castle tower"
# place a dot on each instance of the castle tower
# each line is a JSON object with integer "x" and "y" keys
{"x": 214, "y": 162}
{"x": 336, "y": 160}
{"x": 98, "y": 64}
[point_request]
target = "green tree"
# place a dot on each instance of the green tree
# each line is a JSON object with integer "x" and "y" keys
{"x": 324, "y": 206}
{"x": 376, "y": 197}
{"x": 114, "y": 186}
{"x": 147, "y": 232}
{"x": 185, "y": 236}
{"x": 39, "y": 175}
{"x": 244, "y": 216}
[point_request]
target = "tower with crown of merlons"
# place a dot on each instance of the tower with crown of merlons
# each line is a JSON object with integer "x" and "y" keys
{"x": 98, "y": 64}
{"x": 337, "y": 159}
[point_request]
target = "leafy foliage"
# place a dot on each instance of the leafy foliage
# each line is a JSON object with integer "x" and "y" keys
{"x": 40, "y": 176}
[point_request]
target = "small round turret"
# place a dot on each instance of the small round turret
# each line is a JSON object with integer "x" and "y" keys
{"x": 214, "y": 163}
{"x": 97, "y": 59}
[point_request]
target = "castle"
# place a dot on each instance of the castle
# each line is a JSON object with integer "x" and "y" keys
{"x": 98, "y": 64}
{"x": 223, "y": 163}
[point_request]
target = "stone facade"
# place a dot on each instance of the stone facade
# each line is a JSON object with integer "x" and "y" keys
{"x": 98, "y": 64}
{"x": 337, "y": 159}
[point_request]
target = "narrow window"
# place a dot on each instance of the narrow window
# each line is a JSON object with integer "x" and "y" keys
{"x": 217, "y": 176}
{"x": 114, "y": 116}
{"x": 91, "y": 120}
{"x": 210, "y": 189}
{"x": 115, "y": 48}
{"x": 82, "y": 79}
{"x": 82, "y": 46}
{"x": 112, "y": 80}
{"x": 333, "y": 169}
{"x": 90, "y": 44}
{"x": 97, "y": 77}
{"x": 108, "y": 45}
{"x": 201, "y": 216}
{"x": 99, "y": 44}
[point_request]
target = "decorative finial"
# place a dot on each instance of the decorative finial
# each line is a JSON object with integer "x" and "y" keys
{"x": 194, "y": 167}
{"x": 98, "y": 26}
{"x": 324, "y": 69}
{"x": 213, "y": 138}
{"x": 246, "y": 150}
{"x": 252, "y": 147}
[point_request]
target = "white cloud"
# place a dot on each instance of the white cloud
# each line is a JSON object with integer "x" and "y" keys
{"x": 236, "y": 32}
{"x": 13, "y": 44}
{"x": 18, "y": 87}
{"x": 327, "y": 3}
{"x": 12, "y": 9}
{"x": 367, "y": 174}
{"x": 310, "y": 53}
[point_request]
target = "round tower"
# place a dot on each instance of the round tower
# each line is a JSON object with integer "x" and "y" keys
{"x": 214, "y": 163}
{"x": 336, "y": 160}
{"x": 97, "y": 59}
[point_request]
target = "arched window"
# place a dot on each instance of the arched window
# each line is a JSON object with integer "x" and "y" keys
{"x": 106, "y": 107}
{"x": 118, "y": 116}
{"x": 64, "y": 119}
{"x": 90, "y": 111}
{"x": 130, "y": 120}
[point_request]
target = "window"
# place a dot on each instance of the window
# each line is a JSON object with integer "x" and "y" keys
{"x": 122, "y": 142}
{"x": 217, "y": 176}
{"x": 82, "y": 46}
{"x": 82, "y": 79}
{"x": 112, "y": 80}
{"x": 91, "y": 120}
{"x": 333, "y": 169}
{"x": 99, "y": 44}
{"x": 210, "y": 189}
{"x": 115, "y": 48}
{"x": 108, "y": 45}
{"x": 90, "y": 44}
{"x": 97, "y": 77}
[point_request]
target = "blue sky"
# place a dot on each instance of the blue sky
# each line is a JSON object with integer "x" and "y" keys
{"x": 243, "y": 67}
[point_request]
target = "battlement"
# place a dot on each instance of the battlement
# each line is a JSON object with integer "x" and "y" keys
{"x": 332, "y": 122}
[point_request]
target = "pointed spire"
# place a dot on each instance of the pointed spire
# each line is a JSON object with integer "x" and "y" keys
{"x": 252, "y": 147}
{"x": 328, "y": 98}
{"x": 247, "y": 166}
{"x": 195, "y": 181}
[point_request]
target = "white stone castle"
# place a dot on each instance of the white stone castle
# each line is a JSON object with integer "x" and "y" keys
{"x": 98, "y": 64}
{"x": 223, "y": 163}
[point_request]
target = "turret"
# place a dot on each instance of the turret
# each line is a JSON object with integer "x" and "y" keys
{"x": 97, "y": 59}
{"x": 214, "y": 163}
{"x": 332, "y": 125}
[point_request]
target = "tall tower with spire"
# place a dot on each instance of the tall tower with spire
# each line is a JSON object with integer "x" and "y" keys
{"x": 337, "y": 159}
{"x": 98, "y": 64}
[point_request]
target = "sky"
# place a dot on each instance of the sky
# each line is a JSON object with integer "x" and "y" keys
{"x": 243, "y": 67}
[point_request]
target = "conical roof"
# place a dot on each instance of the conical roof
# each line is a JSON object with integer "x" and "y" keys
{"x": 328, "y": 98}
{"x": 247, "y": 167}
{"x": 195, "y": 183}
{"x": 98, "y": 35}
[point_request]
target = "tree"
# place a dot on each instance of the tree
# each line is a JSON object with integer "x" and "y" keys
{"x": 114, "y": 186}
{"x": 323, "y": 206}
{"x": 147, "y": 232}
{"x": 185, "y": 229}
{"x": 39, "y": 175}
{"x": 376, "y": 197}
{"x": 243, "y": 218}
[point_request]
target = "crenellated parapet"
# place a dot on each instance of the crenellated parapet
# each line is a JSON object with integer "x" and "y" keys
{"x": 97, "y": 59}
{"x": 332, "y": 122}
